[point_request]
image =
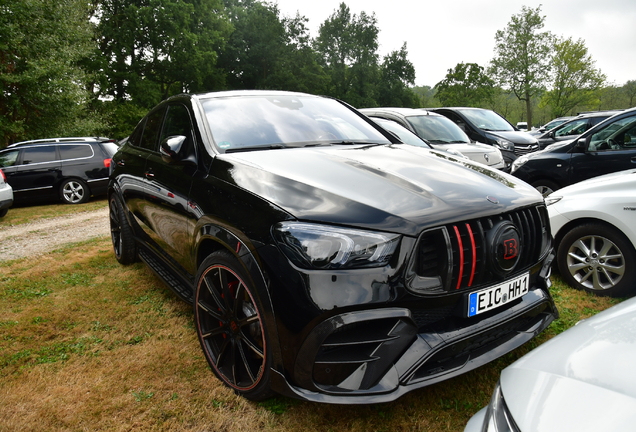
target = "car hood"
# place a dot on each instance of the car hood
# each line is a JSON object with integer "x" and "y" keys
{"x": 515, "y": 136}
{"x": 581, "y": 379}
{"x": 397, "y": 188}
{"x": 610, "y": 183}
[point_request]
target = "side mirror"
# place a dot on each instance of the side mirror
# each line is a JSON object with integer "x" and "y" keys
{"x": 581, "y": 145}
{"x": 170, "y": 148}
{"x": 551, "y": 134}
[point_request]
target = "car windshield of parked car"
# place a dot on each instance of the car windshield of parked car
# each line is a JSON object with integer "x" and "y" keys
{"x": 438, "y": 129}
{"x": 486, "y": 120}
{"x": 405, "y": 135}
{"x": 254, "y": 122}
{"x": 618, "y": 135}
{"x": 574, "y": 127}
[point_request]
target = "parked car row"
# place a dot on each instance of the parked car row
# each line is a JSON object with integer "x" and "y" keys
{"x": 69, "y": 169}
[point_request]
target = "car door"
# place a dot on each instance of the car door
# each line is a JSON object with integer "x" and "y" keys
{"x": 167, "y": 207}
{"x": 610, "y": 149}
{"x": 37, "y": 173}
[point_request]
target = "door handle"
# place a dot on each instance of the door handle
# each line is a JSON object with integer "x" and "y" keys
{"x": 149, "y": 174}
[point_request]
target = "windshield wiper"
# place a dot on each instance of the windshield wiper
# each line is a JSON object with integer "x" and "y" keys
{"x": 255, "y": 148}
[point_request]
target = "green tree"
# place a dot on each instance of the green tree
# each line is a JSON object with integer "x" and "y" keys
{"x": 151, "y": 49}
{"x": 348, "y": 44}
{"x": 465, "y": 85}
{"x": 575, "y": 80}
{"x": 522, "y": 55}
{"x": 630, "y": 91}
{"x": 41, "y": 92}
{"x": 397, "y": 73}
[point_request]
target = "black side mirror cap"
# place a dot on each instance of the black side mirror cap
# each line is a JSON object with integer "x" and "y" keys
{"x": 170, "y": 148}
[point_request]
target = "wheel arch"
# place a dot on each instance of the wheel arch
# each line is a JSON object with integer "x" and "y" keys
{"x": 213, "y": 238}
{"x": 582, "y": 221}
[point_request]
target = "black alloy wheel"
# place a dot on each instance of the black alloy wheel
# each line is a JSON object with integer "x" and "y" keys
{"x": 74, "y": 191}
{"x": 121, "y": 234}
{"x": 231, "y": 328}
{"x": 599, "y": 259}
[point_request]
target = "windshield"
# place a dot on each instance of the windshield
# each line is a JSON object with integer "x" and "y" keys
{"x": 405, "y": 135}
{"x": 574, "y": 127}
{"x": 438, "y": 129}
{"x": 265, "y": 121}
{"x": 486, "y": 120}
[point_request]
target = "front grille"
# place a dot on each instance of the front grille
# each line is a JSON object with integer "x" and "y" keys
{"x": 522, "y": 150}
{"x": 459, "y": 256}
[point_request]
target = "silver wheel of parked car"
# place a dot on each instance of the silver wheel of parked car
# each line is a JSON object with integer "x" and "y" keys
{"x": 231, "y": 328}
{"x": 545, "y": 187}
{"x": 74, "y": 191}
{"x": 593, "y": 257}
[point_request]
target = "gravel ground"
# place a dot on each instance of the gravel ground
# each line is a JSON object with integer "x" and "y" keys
{"x": 45, "y": 235}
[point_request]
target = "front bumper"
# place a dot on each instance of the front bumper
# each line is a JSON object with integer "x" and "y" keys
{"x": 378, "y": 355}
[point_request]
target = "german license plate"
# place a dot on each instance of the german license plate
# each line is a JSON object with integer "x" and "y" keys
{"x": 496, "y": 296}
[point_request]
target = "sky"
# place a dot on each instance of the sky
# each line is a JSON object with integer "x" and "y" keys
{"x": 442, "y": 33}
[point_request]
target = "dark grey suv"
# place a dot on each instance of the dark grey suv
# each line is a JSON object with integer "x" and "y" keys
{"x": 69, "y": 169}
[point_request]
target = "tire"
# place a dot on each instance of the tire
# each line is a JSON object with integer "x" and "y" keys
{"x": 231, "y": 328}
{"x": 121, "y": 234}
{"x": 74, "y": 191}
{"x": 594, "y": 257}
{"x": 4, "y": 212}
{"x": 546, "y": 187}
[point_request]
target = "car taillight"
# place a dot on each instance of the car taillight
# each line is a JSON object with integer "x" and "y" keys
{"x": 4, "y": 177}
{"x": 107, "y": 163}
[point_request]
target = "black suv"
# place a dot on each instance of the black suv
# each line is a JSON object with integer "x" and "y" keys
{"x": 71, "y": 169}
{"x": 573, "y": 127}
{"x": 325, "y": 259}
{"x": 486, "y": 126}
{"x": 608, "y": 147}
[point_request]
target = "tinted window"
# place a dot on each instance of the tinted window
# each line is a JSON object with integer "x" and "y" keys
{"x": 8, "y": 158}
{"x": 33, "y": 155}
{"x": 178, "y": 123}
{"x": 149, "y": 139}
{"x": 75, "y": 151}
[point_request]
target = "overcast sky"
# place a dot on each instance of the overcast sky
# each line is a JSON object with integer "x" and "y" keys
{"x": 442, "y": 33}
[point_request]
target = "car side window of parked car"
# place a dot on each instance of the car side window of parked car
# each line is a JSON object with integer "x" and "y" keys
{"x": 75, "y": 151}
{"x": 8, "y": 158}
{"x": 40, "y": 154}
{"x": 178, "y": 123}
{"x": 622, "y": 134}
{"x": 149, "y": 139}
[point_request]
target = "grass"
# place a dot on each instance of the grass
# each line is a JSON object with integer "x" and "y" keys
{"x": 25, "y": 214}
{"x": 86, "y": 344}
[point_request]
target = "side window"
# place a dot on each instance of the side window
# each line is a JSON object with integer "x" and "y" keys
{"x": 149, "y": 139}
{"x": 8, "y": 158}
{"x": 619, "y": 135}
{"x": 135, "y": 137}
{"x": 41, "y": 154}
{"x": 75, "y": 151}
{"x": 576, "y": 127}
{"x": 178, "y": 123}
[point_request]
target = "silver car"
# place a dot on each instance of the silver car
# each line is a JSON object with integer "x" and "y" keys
{"x": 6, "y": 195}
{"x": 581, "y": 380}
{"x": 439, "y": 132}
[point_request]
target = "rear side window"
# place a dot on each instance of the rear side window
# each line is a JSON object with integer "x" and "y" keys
{"x": 8, "y": 158}
{"x": 75, "y": 151}
{"x": 150, "y": 137}
{"x": 42, "y": 154}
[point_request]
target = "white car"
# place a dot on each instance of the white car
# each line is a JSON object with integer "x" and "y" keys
{"x": 6, "y": 195}
{"x": 440, "y": 132}
{"x": 594, "y": 227}
{"x": 581, "y": 380}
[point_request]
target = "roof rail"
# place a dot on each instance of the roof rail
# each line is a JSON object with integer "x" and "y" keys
{"x": 61, "y": 140}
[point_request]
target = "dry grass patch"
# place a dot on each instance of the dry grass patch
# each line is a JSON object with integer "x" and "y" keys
{"x": 29, "y": 213}
{"x": 89, "y": 345}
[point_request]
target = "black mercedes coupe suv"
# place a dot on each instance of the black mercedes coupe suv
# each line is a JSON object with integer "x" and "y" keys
{"x": 326, "y": 260}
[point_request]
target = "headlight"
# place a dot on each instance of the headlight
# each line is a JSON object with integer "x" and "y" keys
{"x": 549, "y": 200}
{"x": 315, "y": 246}
{"x": 502, "y": 142}
{"x": 498, "y": 418}
{"x": 516, "y": 164}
